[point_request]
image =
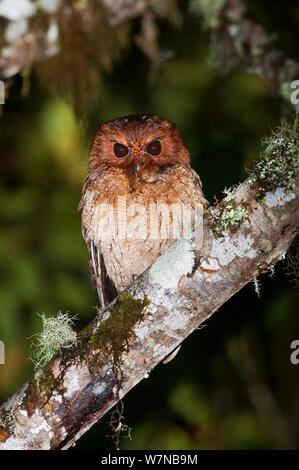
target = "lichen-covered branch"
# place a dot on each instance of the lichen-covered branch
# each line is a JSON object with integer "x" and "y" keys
{"x": 33, "y": 31}
{"x": 243, "y": 236}
{"x": 81, "y": 40}
{"x": 73, "y": 42}
{"x": 239, "y": 42}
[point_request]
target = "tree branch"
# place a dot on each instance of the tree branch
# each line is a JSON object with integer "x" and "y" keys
{"x": 243, "y": 236}
{"x": 32, "y": 32}
{"x": 238, "y": 42}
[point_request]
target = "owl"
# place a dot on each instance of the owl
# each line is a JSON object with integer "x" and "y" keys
{"x": 139, "y": 196}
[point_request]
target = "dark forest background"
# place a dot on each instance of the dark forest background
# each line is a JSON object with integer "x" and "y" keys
{"x": 232, "y": 386}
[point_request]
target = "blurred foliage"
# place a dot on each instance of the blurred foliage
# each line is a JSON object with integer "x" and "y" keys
{"x": 232, "y": 384}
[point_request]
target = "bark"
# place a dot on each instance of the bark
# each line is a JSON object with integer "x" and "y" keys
{"x": 184, "y": 287}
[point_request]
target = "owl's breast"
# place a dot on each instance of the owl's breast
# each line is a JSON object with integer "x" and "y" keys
{"x": 154, "y": 202}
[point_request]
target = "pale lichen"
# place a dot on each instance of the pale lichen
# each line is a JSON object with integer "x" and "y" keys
{"x": 226, "y": 248}
{"x": 57, "y": 333}
{"x": 279, "y": 160}
{"x": 278, "y": 197}
{"x": 229, "y": 217}
{"x": 7, "y": 413}
{"x": 208, "y": 9}
{"x": 142, "y": 332}
{"x": 15, "y": 12}
{"x": 209, "y": 265}
{"x": 177, "y": 261}
{"x": 257, "y": 286}
{"x": 75, "y": 379}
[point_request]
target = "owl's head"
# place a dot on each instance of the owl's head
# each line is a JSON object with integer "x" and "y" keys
{"x": 138, "y": 141}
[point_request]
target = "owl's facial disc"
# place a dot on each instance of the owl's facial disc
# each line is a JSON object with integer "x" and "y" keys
{"x": 138, "y": 141}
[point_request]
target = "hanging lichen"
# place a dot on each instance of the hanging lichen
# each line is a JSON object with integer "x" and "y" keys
{"x": 57, "y": 333}
{"x": 88, "y": 46}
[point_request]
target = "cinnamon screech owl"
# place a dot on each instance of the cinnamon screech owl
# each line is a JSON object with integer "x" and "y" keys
{"x": 139, "y": 196}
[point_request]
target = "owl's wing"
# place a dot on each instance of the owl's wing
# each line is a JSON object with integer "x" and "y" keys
{"x": 99, "y": 277}
{"x": 196, "y": 181}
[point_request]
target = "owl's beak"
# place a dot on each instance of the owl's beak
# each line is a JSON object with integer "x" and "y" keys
{"x": 138, "y": 159}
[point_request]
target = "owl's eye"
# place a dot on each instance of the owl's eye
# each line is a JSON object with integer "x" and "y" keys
{"x": 120, "y": 150}
{"x": 154, "y": 147}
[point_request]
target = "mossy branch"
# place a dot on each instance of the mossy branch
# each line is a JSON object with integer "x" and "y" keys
{"x": 240, "y": 43}
{"x": 75, "y": 43}
{"x": 184, "y": 287}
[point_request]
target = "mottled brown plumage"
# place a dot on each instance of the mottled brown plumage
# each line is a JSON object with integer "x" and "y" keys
{"x": 139, "y": 196}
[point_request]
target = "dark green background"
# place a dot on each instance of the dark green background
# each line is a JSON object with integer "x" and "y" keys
{"x": 232, "y": 385}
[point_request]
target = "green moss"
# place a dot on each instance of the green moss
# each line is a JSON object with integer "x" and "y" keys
{"x": 228, "y": 216}
{"x": 7, "y": 417}
{"x": 260, "y": 197}
{"x": 114, "y": 333}
{"x": 277, "y": 167}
